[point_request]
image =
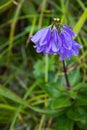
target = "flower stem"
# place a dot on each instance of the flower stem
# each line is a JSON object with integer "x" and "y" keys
{"x": 46, "y": 68}
{"x": 66, "y": 76}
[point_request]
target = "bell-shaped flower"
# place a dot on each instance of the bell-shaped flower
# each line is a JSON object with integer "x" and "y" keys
{"x": 53, "y": 41}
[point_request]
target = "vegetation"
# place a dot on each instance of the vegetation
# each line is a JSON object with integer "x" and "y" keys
{"x": 33, "y": 93}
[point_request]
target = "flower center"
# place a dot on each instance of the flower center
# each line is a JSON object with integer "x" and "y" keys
{"x": 57, "y": 24}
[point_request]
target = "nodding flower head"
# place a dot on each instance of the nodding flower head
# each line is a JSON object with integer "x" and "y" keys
{"x": 53, "y": 40}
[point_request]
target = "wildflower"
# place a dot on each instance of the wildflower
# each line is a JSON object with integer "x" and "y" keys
{"x": 60, "y": 41}
{"x": 69, "y": 46}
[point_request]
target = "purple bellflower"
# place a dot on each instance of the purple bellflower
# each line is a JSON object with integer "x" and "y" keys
{"x": 50, "y": 40}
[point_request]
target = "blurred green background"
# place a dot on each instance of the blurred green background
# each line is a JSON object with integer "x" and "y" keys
{"x": 33, "y": 94}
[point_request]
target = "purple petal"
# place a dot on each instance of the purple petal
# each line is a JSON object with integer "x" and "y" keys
{"x": 39, "y": 49}
{"x": 48, "y": 47}
{"x": 76, "y": 44}
{"x": 57, "y": 39}
{"x": 40, "y": 34}
{"x": 53, "y": 44}
{"x": 75, "y": 48}
{"x": 66, "y": 40}
{"x": 45, "y": 37}
{"x": 65, "y": 54}
{"x": 69, "y": 30}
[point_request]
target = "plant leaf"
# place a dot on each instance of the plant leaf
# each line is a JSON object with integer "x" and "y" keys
{"x": 80, "y": 22}
{"x": 61, "y": 102}
{"x": 63, "y": 123}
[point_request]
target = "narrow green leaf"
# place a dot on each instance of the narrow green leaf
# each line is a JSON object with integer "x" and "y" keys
{"x": 81, "y": 3}
{"x": 20, "y": 107}
{"x": 7, "y": 107}
{"x": 80, "y": 22}
{"x": 10, "y": 95}
{"x": 5, "y": 3}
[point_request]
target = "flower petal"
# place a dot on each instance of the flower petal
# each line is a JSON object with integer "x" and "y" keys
{"x": 49, "y": 41}
{"x": 69, "y": 30}
{"x": 39, "y": 49}
{"x": 45, "y": 37}
{"x": 66, "y": 40}
{"x": 53, "y": 45}
{"x": 39, "y": 35}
